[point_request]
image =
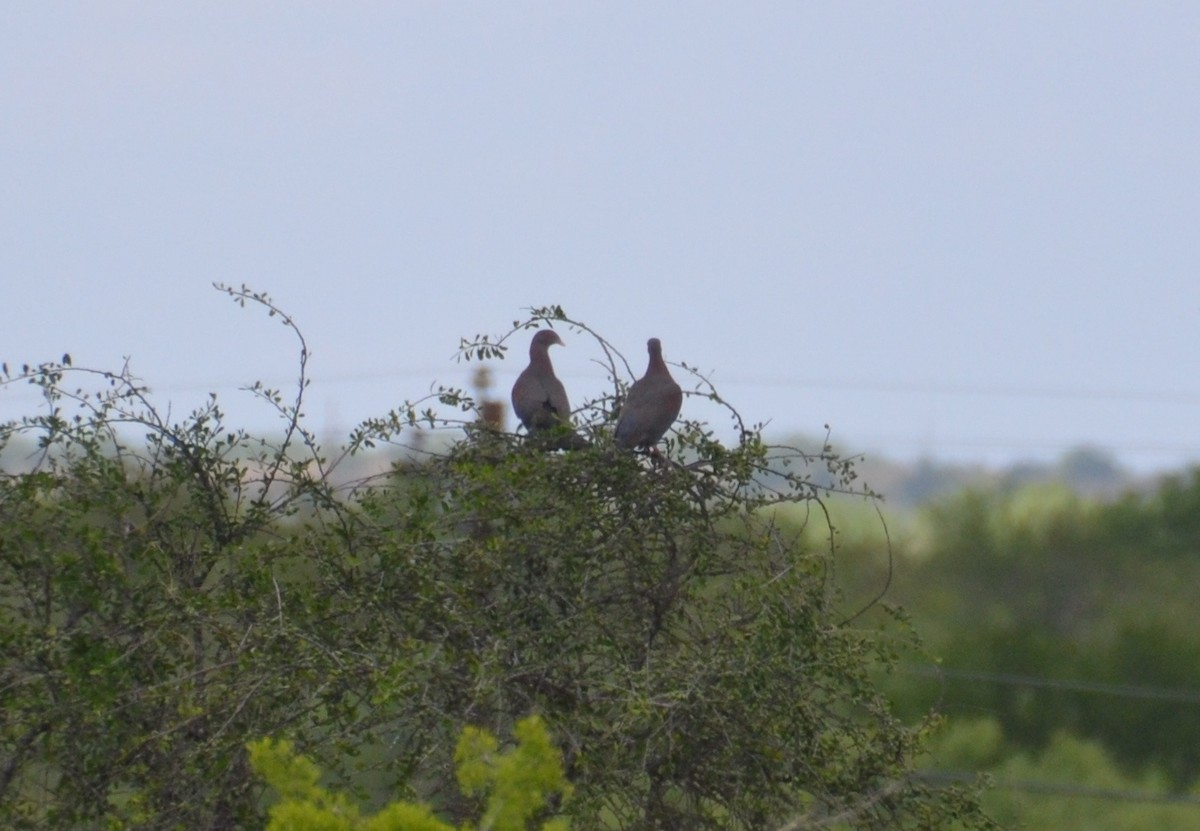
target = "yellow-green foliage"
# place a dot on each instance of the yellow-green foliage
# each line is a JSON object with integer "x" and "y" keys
{"x": 517, "y": 783}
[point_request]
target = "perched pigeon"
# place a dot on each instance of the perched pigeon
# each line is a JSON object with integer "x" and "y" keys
{"x": 539, "y": 398}
{"x": 652, "y": 404}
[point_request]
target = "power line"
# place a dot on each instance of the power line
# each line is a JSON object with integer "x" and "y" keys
{"x": 942, "y": 388}
{"x": 1135, "y": 691}
{"x": 1058, "y": 788}
{"x": 995, "y": 443}
{"x": 22, "y": 395}
{"x": 432, "y": 372}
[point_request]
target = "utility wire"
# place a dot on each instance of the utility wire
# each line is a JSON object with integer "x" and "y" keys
{"x": 1070, "y": 685}
{"x": 947, "y": 777}
{"x": 23, "y": 394}
{"x": 432, "y": 372}
{"x": 1059, "y": 789}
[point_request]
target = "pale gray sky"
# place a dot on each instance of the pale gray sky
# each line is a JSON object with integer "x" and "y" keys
{"x": 967, "y": 230}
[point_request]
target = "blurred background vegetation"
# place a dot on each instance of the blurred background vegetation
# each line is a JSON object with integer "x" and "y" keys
{"x": 1057, "y": 607}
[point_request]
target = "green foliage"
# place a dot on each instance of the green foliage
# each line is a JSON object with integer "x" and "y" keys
{"x": 517, "y": 784}
{"x": 1025, "y": 593}
{"x": 142, "y": 627}
{"x": 170, "y": 589}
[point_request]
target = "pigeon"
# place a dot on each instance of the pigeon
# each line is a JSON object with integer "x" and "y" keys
{"x": 651, "y": 405}
{"x": 540, "y": 400}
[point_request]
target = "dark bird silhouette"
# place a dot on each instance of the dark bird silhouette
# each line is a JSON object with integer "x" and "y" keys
{"x": 540, "y": 400}
{"x": 652, "y": 404}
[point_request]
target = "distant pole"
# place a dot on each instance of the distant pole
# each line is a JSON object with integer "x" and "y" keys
{"x": 491, "y": 411}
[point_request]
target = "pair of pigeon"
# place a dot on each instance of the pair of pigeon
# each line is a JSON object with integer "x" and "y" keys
{"x": 540, "y": 400}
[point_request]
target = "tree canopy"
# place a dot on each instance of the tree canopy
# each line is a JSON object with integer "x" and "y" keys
{"x": 172, "y": 589}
